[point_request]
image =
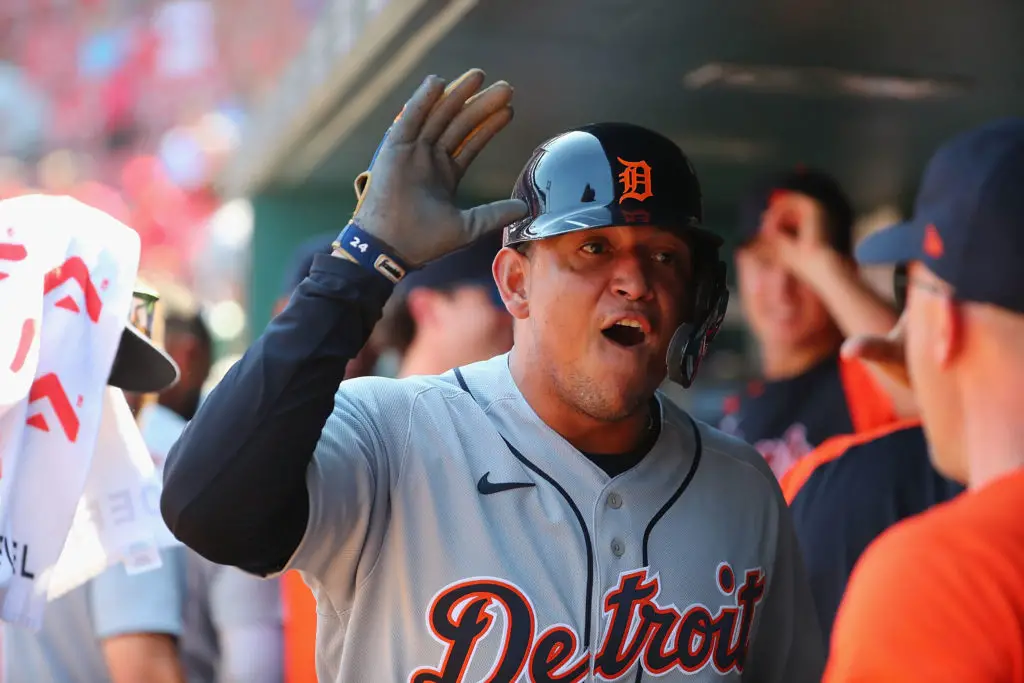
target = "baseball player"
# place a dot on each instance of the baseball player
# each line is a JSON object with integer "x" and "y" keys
{"x": 801, "y": 295}
{"x": 853, "y": 487}
{"x": 543, "y": 515}
{"x": 937, "y": 597}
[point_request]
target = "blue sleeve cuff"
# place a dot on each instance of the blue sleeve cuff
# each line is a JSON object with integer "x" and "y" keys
{"x": 150, "y": 602}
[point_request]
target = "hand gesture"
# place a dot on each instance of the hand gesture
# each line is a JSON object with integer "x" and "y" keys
{"x": 406, "y": 199}
{"x": 794, "y": 230}
{"x": 887, "y": 353}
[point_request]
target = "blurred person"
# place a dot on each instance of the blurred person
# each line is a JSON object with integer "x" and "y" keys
{"x": 187, "y": 45}
{"x": 231, "y": 621}
{"x": 853, "y": 487}
{"x": 449, "y": 313}
{"x": 408, "y": 504}
{"x": 60, "y": 172}
{"x": 118, "y": 627}
{"x": 938, "y": 596}
{"x": 801, "y": 295}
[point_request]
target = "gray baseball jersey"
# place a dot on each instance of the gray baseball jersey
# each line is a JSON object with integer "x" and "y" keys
{"x": 453, "y": 536}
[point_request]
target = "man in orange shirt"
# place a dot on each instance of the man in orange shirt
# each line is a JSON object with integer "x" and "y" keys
{"x": 938, "y": 597}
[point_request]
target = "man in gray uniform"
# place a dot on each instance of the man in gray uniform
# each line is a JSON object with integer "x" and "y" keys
{"x": 544, "y": 515}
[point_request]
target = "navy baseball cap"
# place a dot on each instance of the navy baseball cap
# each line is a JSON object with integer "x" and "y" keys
{"x": 968, "y": 222}
{"x": 470, "y": 265}
{"x": 302, "y": 260}
{"x": 813, "y": 183}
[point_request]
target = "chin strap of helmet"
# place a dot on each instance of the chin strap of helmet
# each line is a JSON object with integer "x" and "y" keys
{"x": 691, "y": 340}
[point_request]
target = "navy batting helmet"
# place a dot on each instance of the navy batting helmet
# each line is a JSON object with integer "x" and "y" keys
{"x": 615, "y": 174}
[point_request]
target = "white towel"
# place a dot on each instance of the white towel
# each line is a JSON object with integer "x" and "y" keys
{"x": 118, "y": 516}
{"x": 68, "y": 272}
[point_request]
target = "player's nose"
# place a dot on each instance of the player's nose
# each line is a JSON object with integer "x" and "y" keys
{"x": 630, "y": 277}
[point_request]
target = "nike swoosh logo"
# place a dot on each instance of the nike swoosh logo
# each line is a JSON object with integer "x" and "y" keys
{"x": 486, "y": 487}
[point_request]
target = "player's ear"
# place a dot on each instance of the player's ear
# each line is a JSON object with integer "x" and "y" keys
{"x": 421, "y": 304}
{"x": 939, "y": 313}
{"x": 949, "y": 332}
{"x": 511, "y": 274}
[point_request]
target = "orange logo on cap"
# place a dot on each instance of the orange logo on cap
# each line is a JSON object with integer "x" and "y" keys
{"x": 933, "y": 245}
{"x": 635, "y": 179}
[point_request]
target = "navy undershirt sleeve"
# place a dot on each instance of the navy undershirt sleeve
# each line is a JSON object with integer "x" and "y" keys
{"x": 235, "y": 482}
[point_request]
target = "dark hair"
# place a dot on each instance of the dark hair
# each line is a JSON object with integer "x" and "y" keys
{"x": 191, "y": 324}
{"x": 396, "y": 328}
{"x": 814, "y": 183}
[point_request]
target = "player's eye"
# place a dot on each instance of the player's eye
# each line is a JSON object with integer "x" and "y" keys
{"x": 594, "y": 248}
{"x": 666, "y": 257}
{"x": 675, "y": 259}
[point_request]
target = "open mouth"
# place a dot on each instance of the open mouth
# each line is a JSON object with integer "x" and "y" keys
{"x": 625, "y": 333}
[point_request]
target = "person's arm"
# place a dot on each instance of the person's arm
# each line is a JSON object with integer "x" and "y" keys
{"x": 143, "y": 658}
{"x": 855, "y": 307}
{"x": 138, "y": 619}
{"x": 238, "y": 485}
{"x": 247, "y": 614}
{"x": 235, "y": 482}
{"x": 794, "y": 228}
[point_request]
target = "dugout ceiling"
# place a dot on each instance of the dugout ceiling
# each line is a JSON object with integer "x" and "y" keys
{"x": 865, "y": 89}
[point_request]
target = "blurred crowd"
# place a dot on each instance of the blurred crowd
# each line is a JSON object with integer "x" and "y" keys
{"x": 134, "y": 105}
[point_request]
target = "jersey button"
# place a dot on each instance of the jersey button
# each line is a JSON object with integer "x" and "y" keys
{"x": 614, "y": 500}
{"x": 618, "y": 547}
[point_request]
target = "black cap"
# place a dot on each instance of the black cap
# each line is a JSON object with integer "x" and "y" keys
{"x": 606, "y": 174}
{"x": 813, "y": 183}
{"x": 968, "y": 223}
{"x": 470, "y": 265}
{"x": 140, "y": 366}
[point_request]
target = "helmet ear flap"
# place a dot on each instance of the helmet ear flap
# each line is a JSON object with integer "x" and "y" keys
{"x": 691, "y": 340}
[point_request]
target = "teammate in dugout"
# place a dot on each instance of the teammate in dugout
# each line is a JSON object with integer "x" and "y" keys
{"x": 542, "y": 515}
{"x": 938, "y": 597}
{"x": 802, "y": 294}
{"x": 853, "y": 487}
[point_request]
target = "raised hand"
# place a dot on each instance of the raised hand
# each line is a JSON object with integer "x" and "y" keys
{"x": 406, "y": 199}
